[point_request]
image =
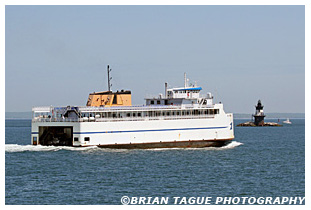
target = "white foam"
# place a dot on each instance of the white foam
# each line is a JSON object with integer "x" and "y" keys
{"x": 231, "y": 145}
{"x": 39, "y": 148}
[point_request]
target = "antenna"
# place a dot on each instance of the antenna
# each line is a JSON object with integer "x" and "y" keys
{"x": 109, "y": 78}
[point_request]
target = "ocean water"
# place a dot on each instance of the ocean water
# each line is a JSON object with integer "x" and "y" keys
{"x": 260, "y": 162}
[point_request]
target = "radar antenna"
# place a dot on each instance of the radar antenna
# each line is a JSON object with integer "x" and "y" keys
{"x": 109, "y": 78}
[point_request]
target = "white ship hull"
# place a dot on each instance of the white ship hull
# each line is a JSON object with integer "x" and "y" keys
{"x": 215, "y": 131}
{"x": 181, "y": 118}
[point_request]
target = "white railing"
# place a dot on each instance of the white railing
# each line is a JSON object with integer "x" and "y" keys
{"x": 42, "y": 109}
{"x": 129, "y": 108}
{"x": 39, "y": 119}
{"x": 123, "y": 108}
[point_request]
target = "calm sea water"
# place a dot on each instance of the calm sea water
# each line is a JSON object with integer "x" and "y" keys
{"x": 266, "y": 161}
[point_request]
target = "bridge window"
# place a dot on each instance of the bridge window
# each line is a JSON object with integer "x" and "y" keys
{"x": 86, "y": 138}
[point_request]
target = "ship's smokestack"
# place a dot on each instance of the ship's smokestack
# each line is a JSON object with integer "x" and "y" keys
{"x": 166, "y": 90}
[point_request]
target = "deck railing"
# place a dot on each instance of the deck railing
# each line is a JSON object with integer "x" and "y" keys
{"x": 121, "y": 108}
{"x": 116, "y": 119}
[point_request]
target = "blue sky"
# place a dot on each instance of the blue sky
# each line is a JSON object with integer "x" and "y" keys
{"x": 57, "y": 55}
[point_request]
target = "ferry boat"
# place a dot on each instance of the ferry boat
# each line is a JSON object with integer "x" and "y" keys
{"x": 182, "y": 117}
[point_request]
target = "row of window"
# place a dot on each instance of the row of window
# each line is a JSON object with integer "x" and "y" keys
{"x": 194, "y": 112}
{"x": 183, "y": 91}
{"x": 153, "y": 102}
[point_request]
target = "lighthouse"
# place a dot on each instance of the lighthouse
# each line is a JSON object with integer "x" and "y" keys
{"x": 259, "y": 115}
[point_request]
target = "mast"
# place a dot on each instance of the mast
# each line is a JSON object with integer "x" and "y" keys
{"x": 185, "y": 80}
{"x": 109, "y": 78}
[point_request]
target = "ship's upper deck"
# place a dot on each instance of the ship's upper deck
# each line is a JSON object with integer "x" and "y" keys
{"x": 178, "y": 103}
{"x": 123, "y": 113}
{"x": 189, "y": 94}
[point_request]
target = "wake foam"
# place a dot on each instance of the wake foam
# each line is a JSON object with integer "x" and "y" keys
{"x": 40, "y": 148}
{"x": 231, "y": 145}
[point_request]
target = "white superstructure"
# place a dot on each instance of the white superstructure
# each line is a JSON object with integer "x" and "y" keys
{"x": 181, "y": 118}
